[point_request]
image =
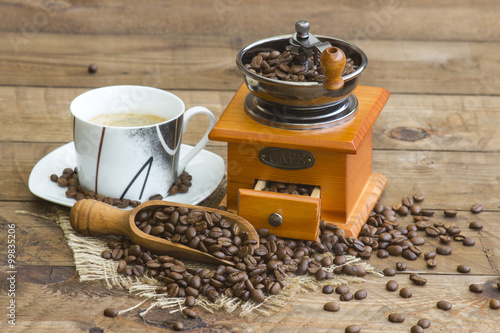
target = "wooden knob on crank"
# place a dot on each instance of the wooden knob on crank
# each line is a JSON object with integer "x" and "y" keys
{"x": 333, "y": 63}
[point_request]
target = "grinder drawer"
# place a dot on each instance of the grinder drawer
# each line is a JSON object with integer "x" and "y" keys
{"x": 285, "y": 215}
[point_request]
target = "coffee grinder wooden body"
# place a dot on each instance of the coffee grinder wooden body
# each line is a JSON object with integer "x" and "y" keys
{"x": 336, "y": 161}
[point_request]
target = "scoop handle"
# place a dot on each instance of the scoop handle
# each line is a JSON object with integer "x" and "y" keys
{"x": 333, "y": 62}
{"x": 95, "y": 218}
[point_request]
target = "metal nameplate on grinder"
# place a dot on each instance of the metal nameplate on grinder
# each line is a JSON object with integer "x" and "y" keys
{"x": 285, "y": 158}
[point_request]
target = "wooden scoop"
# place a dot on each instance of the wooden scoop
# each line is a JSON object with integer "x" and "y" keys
{"x": 92, "y": 217}
{"x": 333, "y": 63}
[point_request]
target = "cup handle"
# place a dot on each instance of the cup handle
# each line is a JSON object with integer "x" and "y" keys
{"x": 204, "y": 140}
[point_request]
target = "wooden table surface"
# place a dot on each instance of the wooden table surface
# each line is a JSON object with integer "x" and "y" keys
{"x": 438, "y": 134}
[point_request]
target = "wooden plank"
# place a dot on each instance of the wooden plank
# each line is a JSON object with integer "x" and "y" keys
{"x": 454, "y": 180}
{"x": 456, "y": 20}
{"x": 410, "y": 122}
{"x": 444, "y": 67}
{"x": 71, "y": 306}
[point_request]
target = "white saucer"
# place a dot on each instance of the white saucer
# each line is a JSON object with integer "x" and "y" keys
{"x": 206, "y": 168}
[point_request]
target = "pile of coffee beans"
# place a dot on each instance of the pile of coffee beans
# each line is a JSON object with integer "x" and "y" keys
{"x": 280, "y": 66}
{"x": 295, "y": 189}
{"x": 69, "y": 179}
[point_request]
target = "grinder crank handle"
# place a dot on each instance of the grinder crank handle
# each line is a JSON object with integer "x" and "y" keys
{"x": 333, "y": 62}
{"x": 95, "y": 218}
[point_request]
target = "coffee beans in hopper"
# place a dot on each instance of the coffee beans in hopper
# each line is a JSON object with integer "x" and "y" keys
{"x": 280, "y": 66}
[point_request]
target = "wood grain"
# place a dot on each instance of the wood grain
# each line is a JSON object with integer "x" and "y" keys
{"x": 417, "y": 67}
{"x": 457, "y": 20}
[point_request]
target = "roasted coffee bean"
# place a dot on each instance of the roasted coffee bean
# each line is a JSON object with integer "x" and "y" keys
{"x": 495, "y": 304}
{"x": 427, "y": 212}
{"x": 476, "y": 225}
{"x": 343, "y": 288}
{"x": 424, "y": 323}
{"x": 346, "y": 297}
{"x": 476, "y": 208}
{"x": 401, "y": 266}
{"x": 352, "y": 329}
{"x": 106, "y": 254}
{"x": 450, "y": 213}
{"x": 382, "y": 254}
{"x": 476, "y": 288}
{"x": 418, "y": 197}
{"x": 405, "y": 292}
{"x": 360, "y": 294}
{"x": 431, "y": 263}
{"x": 444, "y": 239}
{"x": 395, "y": 250}
{"x": 407, "y": 201}
{"x": 178, "y": 326}
{"x": 463, "y": 269}
{"x": 392, "y": 285}
{"x": 189, "y": 313}
{"x": 467, "y": 241}
{"x": 257, "y": 295}
{"x": 389, "y": 272}
{"x": 443, "y": 250}
{"x": 328, "y": 289}
{"x": 396, "y": 318}
{"x": 444, "y": 305}
{"x": 417, "y": 279}
{"x": 415, "y": 210}
{"x": 416, "y": 329}
{"x": 110, "y": 312}
{"x": 429, "y": 255}
{"x": 190, "y": 301}
{"x": 331, "y": 307}
{"x": 409, "y": 255}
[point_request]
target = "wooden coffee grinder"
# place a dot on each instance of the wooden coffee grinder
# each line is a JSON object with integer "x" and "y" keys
{"x": 315, "y": 134}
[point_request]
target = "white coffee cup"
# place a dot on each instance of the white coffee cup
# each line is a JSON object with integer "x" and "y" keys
{"x": 132, "y": 162}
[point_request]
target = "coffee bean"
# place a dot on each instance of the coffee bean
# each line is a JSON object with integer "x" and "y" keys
{"x": 392, "y": 285}
{"x": 444, "y": 239}
{"x": 444, "y": 305}
{"x": 257, "y": 295}
{"x": 110, "y": 312}
{"x": 106, "y": 254}
{"x": 360, "y": 294}
{"x": 381, "y": 253}
{"x": 395, "y": 250}
{"x": 405, "y": 292}
{"x": 389, "y": 272}
{"x": 431, "y": 263}
{"x": 416, "y": 329}
{"x": 92, "y": 68}
{"x": 418, "y": 197}
{"x": 343, "y": 288}
{"x": 328, "y": 289}
{"x": 331, "y": 307}
{"x": 495, "y": 304}
{"x": 407, "y": 201}
{"x": 429, "y": 255}
{"x": 450, "y": 213}
{"x": 415, "y": 210}
{"x": 443, "y": 250}
{"x": 352, "y": 329}
{"x": 427, "y": 212}
{"x": 463, "y": 269}
{"x": 178, "y": 326}
{"x": 190, "y": 301}
{"x": 346, "y": 297}
{"x": 424, "y": 323}
{"x": 417, "y": 279}
{"x": 189, "y": 313}
{"x": 467, "y": 241}
{"x": 476, "y": 288}
{"x": 476, "y": 225}
{"x": 476, "y": 208}
{"x": 396, "y": 318}
{"x": 401, "y": 266}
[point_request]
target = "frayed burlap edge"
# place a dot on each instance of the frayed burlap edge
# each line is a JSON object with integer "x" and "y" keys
{"x": 91, "y": 267}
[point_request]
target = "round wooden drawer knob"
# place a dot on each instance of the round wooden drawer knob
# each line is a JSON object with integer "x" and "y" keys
{"x": 275, "y": 219}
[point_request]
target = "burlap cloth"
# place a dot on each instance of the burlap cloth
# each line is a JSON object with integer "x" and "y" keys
{"x": 91, "y": 267}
